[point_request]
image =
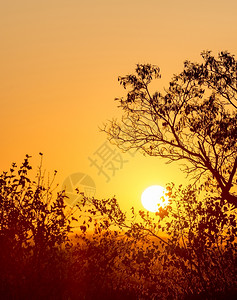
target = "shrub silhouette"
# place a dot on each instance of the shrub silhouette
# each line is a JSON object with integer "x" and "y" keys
{"x": 186, "y": 250}
{"x": 33, "y": 228}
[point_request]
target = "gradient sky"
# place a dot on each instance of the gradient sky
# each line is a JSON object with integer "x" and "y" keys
{"x": 59, "y": 66}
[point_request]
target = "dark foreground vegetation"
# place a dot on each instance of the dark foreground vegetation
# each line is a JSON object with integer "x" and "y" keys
{"x": 187, "y": 250}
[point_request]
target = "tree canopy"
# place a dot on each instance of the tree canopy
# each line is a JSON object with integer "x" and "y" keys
{"x": 192, "y": 121}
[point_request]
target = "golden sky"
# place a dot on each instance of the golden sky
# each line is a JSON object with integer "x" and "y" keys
{"x": 59, "y": 66}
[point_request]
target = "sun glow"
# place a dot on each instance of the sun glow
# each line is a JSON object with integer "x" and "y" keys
{"x": 154, "y": 198}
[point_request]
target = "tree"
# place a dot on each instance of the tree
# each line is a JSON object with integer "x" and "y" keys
{"x": 189, "y": 122}
{"x": 33, "y": 228}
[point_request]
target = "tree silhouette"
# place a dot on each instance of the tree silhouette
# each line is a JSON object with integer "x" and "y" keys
{"x": 33, "y": 228}
{"x": 189, "y": 122}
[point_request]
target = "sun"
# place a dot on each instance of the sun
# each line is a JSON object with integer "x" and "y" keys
{"x": 154, "y": 197}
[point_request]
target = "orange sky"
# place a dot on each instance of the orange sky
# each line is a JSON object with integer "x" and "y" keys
{"x": 59, "y": 66}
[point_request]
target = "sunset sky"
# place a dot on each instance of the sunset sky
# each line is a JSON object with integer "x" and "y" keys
{"x": 59, "y": 66}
